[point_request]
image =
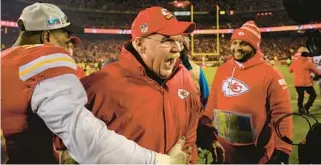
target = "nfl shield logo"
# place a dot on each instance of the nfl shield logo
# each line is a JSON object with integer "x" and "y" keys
{"x": 144, "y": 28}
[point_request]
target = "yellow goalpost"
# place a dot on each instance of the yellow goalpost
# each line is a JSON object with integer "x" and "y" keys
{"x": 217, "y": 37}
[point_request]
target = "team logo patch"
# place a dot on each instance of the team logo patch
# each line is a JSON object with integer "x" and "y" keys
{"x": 53, "y": 22}
{"x": 166, "y": 13}
{"x": 234, "y": 87}
{"x": 144, "y": 28}
{"x": 64, "y": 20}
{"x": 57, "y": 21}
{"x": 183, "y": 93}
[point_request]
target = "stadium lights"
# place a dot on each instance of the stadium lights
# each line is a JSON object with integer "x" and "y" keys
{"x": 265, "y": 14}
{"x": 182, "y": 13}
{"x": 180, "y": 4}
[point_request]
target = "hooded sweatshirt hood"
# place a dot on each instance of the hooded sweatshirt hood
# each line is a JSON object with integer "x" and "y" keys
{"x": 257, "y": 59}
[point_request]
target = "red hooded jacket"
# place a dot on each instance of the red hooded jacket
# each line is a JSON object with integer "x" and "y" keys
{"x": 302, "y": 68}
{"x": 135, "y": 105}
{"x": 80, "y": 72}
{"x": 241, "y": 97}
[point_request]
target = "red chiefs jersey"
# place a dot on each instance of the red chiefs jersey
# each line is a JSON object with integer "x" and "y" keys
{"x": 23, "y": 67}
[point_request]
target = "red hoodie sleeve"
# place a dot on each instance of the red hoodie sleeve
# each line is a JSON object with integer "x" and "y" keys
{"x": 212, "y": 100}
{"x": 280, "y": 104}
{"x": 208, "y": 117}
{"x": 191, "y": 133}
{"x": 98, "y": 100}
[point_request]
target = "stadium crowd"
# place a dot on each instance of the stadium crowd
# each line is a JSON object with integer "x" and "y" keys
{"x": 115, "y": 14}
{"x": 200, "y": 5}
{"x": 93, "y": 52}
{"x": 96, "y": 51}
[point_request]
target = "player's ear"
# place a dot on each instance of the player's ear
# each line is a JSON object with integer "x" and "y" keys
{"x": 45, "y": 37}
{"x": 138, "y": 44}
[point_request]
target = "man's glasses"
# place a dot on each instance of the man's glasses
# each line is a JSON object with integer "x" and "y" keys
{"x": 169, "y": 41}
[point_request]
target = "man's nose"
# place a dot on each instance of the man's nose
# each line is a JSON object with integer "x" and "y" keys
{"x": 177, "y": 47}
{"x": 238, "y": 48}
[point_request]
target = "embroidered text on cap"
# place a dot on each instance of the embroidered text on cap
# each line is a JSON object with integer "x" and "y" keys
{"x": 166, "y": 13}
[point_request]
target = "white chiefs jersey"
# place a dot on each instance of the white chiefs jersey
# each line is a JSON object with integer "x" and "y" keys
{"x": 317, "y": 63}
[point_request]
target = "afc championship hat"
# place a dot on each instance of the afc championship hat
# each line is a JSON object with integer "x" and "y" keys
{"x": 44, "y": 16}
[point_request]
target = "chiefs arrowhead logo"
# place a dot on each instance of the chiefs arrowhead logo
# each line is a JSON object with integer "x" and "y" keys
{"x": 166, "y": 14}
{"x": 234, "y": 87}
{"x": 182, "y": 93}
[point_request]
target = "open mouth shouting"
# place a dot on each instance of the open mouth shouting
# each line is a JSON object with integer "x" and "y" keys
{"x": 171, "y": 60}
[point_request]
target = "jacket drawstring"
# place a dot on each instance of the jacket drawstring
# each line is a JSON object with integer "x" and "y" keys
{"x": 230, "y": 80}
